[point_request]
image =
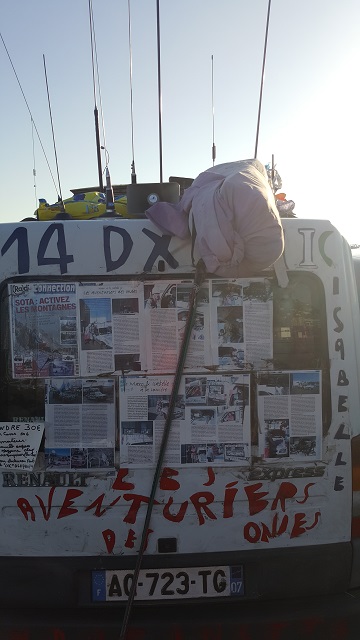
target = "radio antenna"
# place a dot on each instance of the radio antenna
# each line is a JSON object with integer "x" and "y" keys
{"x": 28, "y": 108}
{"x": 262, "y": 79}
{"x": 159, "y": 87}
{"x": 133, "y": 171}
{"x": 96, "y": 113}
{"x": 52, "y": 129}
{"x": 213, "y": 111}
{"x": 34, "y": 164}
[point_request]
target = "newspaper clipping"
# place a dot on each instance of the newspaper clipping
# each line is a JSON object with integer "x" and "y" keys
{"x": 290, "y": 415}
{"x": 211, "y": 419}
{"x": 44, "y": 337}
{"x": 79, "y": 423}
{"x": 166, "y": 311}
{"x": 112, "y": 336}
{"x": 241, "y": 321}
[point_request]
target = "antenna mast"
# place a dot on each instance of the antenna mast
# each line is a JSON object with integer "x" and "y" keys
{"x": 213, "y": 111}
{"x": 133, "y": 171}
{"x": 159, "y": 87}
{"x": 262, "y": 79}
{"x": 28, "y": 108}
{"x": 52, "y": 129}
{"x": 96, "y": 113}
{"x": 34, "y": 166}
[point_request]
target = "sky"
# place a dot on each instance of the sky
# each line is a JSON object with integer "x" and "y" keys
{"x": 211, "y": 56}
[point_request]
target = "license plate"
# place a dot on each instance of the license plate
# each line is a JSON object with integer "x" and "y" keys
{"x": 169, "y": 584}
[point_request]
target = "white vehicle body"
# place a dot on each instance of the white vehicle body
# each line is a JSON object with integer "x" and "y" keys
{"x": 236, "y": 512}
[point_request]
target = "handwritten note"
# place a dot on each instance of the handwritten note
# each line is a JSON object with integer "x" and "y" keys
{"x": 19, "y": 444}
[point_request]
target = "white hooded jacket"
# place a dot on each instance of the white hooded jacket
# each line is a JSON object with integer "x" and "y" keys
{"x": 233, "y": 210}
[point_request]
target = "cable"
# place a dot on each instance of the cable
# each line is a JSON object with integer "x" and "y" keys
{"x": 199, "y": 277}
